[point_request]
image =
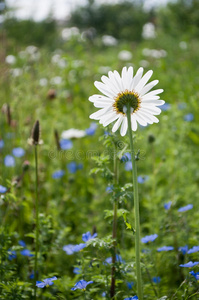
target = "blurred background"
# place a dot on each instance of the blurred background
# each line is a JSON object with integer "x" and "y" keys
{"x": 40, "y": 22}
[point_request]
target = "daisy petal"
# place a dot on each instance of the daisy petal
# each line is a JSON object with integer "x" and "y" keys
{"x": 97, "y": 115}
{"x": 100, "y": 98}
{"x": 145, "y": 118}
{"x": 109, "y": 118}
{"x": 150, "y": 117}
{"x": 133, "y": 123}
{"x": 143, "y": 81}
{"x": 152, "y": 94}
{"x": 140, "y": 119}
{"x": 99, "y": 104}
{"x": 152, "y": 110}
{"x": 137, "y": 78}
{"x": 127, "y": 77}
{"x": 148, "y": 87}
{"x": 104, "y": 89}
{"x": 153, "y": 102}
{"x": 110, "y": 84}
{"x": 124, "y": 126}
{"x": 117, "y": 124}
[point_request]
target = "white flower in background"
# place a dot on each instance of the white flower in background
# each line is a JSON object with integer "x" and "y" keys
{"x": 62, "y": 63}
{"x": 55, "y": 58}
{"x": 125, "y": 55}
{"x": 104, "y": 69}
{"x": 16, "y": 72}
{"x": 33, "y": 53}
{"x": 148, "y": 31}
{"x": 57, "y": 80}
{"x": 183, "y": 45}
{"x": 68, "y": 33}
{"x": 109, "y": 40}
{"x": 154, "y": 53}
{"x": 43, "y": 82}
{"x": 77, "y": 63}
{"x": 73, "y": 134}
{"x": 31, "y": 49}
{"x": 22, "y": 54}
{"x": 121, "y": 91}
{"x": 144, "y": 63}
{"x": 10, "y": 59}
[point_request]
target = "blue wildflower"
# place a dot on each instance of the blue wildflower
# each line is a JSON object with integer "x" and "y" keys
{"x": 65, "y": 144}
{"x": 142, "y": 179}
{"x": 146, "y": 251}
{"x": 106, "y": 133}
{"x": 190, "y": 264}
{"x": 193, "y": 250}
{"x": 196, "y": 275}
{"x": 182, "y": 105}
{"x": 130, "y": 285}
{"x": 91, "y": 130}
{"x": 126, "y": 157}
{"x": 3, "y": 189}
{"x": 165, "y": 106}
{"x": 1, "y": 144}
{"x": 32, "y": 275}
{"x": 26, "y": 252}
{"x": 18, "y": 152}
{"x": 104, "y": 294}
{"x": 76, "y": 270}
{"x": 10, "y": 135}
{"x": 165, "y": 248}
{"x": 118, "y": 259}
{"x": 131, "y": 298}
{"x": 189, "y": 117}
{"x": 12, "y": 254}
{"x": 87, "y": 236}
{"x": 79, "y": 247}
{"x": 46, "y": 282}
{"x": 185, "y": 208}
{"x": 183, "y": 249}
{"x": 109, "y": 188}
{"x": 167, "y": 205}
{"x": 9, "y": 161}
{"x": 73, "y": 167}
{"x": 69, "y": 249}
{"x": 128, "y": 166}
{"x": 58, "y": 174}
{"x": 149, "y": 238}
{"x": 22, "y": 243}
{"x": 156, "y": 279}
{"x": 82, "y": 284}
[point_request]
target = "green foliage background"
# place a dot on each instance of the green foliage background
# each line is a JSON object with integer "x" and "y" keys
{"x": 78, "y": 202}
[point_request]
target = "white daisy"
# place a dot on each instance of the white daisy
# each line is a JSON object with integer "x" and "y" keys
{"x": 120, "y": 91}
{"x": 73, "y": 134}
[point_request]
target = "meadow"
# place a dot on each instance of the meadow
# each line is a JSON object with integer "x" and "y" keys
{"x": 76, "y": 188}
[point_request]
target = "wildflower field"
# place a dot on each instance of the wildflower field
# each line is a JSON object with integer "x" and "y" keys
{"x": 69, "y": 226}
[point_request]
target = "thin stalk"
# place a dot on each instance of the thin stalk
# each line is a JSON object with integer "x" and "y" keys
{"x": 114, "y": 234}
{"x": 37, "y": 220}
{"x": 136, "y": 209}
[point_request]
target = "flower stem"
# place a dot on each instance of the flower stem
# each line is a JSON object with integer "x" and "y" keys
{"x": 114, "y": 234}
{"x": 37, "y": 219}
{"x": 136, "y": 208}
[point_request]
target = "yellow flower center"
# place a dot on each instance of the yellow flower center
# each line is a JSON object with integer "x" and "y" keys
{"x": 124, "y": 99}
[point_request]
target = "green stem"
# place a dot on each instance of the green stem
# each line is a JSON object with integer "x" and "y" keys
{"x": 37, "y": 220}
{"x": 136, "y": 209}
{"x": 114, "y": 234}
